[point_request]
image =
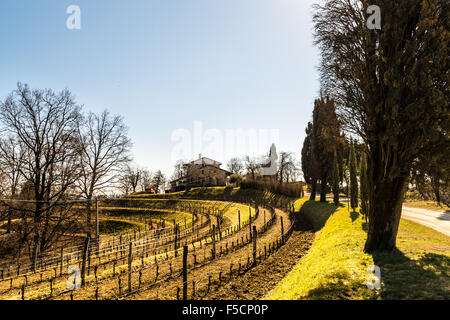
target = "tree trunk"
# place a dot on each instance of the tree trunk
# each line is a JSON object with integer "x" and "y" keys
{"x": 437, "y": 194}
{"x": 313, "y": 190}
{"x": 323, "y": 189}
{"x": 36, "y": 229}
{"x": 386, "y": 198}
{"x": 88, "y": 218}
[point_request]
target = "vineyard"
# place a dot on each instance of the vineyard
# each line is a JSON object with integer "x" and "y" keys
{"x": 152, "y": 248}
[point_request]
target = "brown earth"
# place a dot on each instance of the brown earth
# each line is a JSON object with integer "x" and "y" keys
{"x": 257, "y": 282}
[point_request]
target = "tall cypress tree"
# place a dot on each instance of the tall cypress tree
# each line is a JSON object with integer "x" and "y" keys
{"x": 390, "y": 85}
{"x": 309, "y": 163}
{"x": 325, "y": 137}
{"x": 364, "y": 190}
{"x": 336, "y": 181}
{"x": 353, "y": 179}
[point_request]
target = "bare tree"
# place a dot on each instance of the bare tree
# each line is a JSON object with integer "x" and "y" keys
{"x": 179, "y": 171}
{"x": 104, "y": 149}
{"x": 287, "y": 168}
{"x": 45, "y": 125}
{"x": 130, "y": 179}
{"x": 159, "y": 181}
{"x": 11, "y": 161}
{"x": 252, "y": 166}
{"x": 124, "y": 183}
{"x": 146, "y": 179}
{"x": 235, "y": 165}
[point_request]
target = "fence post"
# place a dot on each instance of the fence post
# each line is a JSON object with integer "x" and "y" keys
{"x": 255, "y": 233}
{"x": 239, "y": 219}
{"x": 250, "y": 222}
{"x": 185, "y": 254}
{"x": 218, "y": 227}
{"x": 62, "y": 261}
{"x": 89, "y": 260}
{"x": 97, "y": 229}
{"x": 36, "y": 255}
{"x": 130, "y": 260}
{"x": 282, "y": 230}
{"x": 175, "y": 240}
{"x": 264, "y": 218}
{"x": 213, "y": 253}
{"x": 83, "y": 265}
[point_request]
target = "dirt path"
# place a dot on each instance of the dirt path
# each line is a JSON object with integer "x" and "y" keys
{"x": 257, "y": 282}
{"x": 437, "y": 220}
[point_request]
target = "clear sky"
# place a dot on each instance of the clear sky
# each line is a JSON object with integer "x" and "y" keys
{"x": 186, "y": 75}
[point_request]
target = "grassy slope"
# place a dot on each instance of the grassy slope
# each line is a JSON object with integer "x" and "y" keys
{"x": 137, "y": 206}
{"x": 336, "y": 266}
{"x": 117, "y": 226}
{"x": 169, "y": 215}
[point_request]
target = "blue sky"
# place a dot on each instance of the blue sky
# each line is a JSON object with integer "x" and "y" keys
{"x": 162, "y": 65}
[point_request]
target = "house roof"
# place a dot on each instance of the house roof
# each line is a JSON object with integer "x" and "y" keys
{"x": 205, "y": 160}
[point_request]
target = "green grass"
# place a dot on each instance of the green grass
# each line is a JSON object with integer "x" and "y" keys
{"x": 425, "y": 204}
{"x": 168, "y": 215}
{"x": 193, "y": 193}
{"x": 336, "y": 266}
{"x": 113, "y": 226}
{"x": 230, "y": 209}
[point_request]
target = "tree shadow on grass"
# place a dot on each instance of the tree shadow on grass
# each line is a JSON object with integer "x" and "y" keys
{"x": 341, "y": 286}
{"x": 402, "y": 279}
{"x": 317, "y": 215}
{"x": 428, "y": 277}
{"x": 354, "y": 215}
{"x": 365, "y": 226}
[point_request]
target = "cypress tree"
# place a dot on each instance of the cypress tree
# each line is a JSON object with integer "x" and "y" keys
{"x": 364, "y": 192}
{"x": 309, "y": 163}
{"x": 353, "y": 179}
{"x": 325, "y": 137}
{"x": 390, "y": 84}
{"x": 336, "y": 181}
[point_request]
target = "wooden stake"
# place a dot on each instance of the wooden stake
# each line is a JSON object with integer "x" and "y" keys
{"x": 130, "y": 260}
{"x": 239, "y": 219}
{"x": 185, "y": 255}
{"x": 255, "y": 233}
{"x": 83, "y": 265}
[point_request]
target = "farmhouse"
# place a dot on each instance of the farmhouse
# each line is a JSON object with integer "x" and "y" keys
{"x": 203, "y": 172}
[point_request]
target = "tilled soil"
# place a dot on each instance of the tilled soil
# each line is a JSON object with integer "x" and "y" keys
{"x": 250, "y": 284}
{"x": 258, "y": 281}
{"x": 167, "y": 290}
